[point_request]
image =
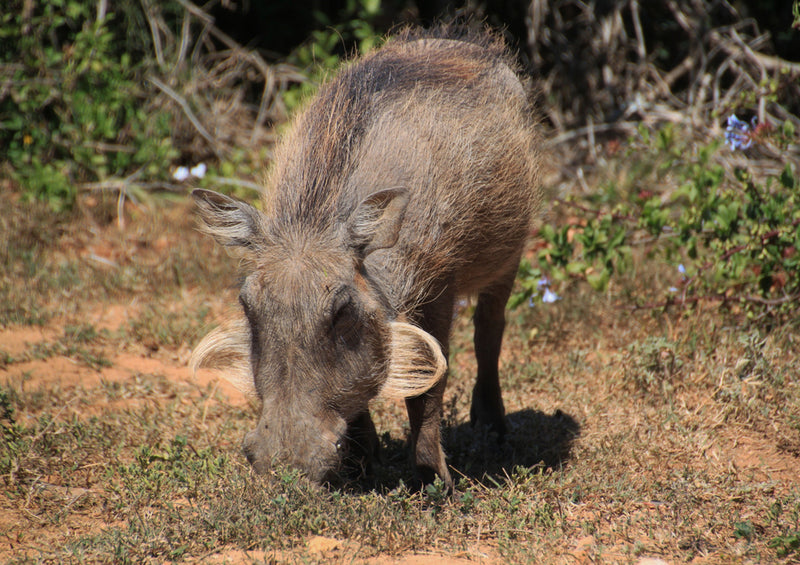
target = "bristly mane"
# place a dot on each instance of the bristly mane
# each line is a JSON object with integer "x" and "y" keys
{"x": 314, "y": 167}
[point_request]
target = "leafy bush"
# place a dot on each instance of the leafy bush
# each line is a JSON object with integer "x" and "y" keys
{"x": 72, "y": 107}
{"x": 730, "y": 235}
{"x": 109, "y": 96}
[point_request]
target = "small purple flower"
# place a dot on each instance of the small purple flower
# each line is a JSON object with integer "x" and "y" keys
{"x": 681, "y": 269}
{"x": 549, "y": 296}
{"x": 181, "y": 174}
{"x": 672, "y": 289}
{"x": 461, "y": 303}
{"x": 739, "y": 134}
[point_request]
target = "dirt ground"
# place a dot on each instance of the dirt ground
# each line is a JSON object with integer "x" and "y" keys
{"x": 128, "y": 342}
{"x": 66, "y": 374}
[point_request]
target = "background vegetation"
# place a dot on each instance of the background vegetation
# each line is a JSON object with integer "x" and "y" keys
{"x": 119, "y": 99}
{"x": 650, "y": 367}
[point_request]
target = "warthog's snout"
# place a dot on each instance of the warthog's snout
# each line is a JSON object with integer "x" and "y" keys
{"x": 315, "y": 450}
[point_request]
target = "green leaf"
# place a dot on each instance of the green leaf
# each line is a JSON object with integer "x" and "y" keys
{"x": 787, "y": 179}
{"x": 517, "y": 298}
{"x": 787, "y": 129}
{"x": 599, "y": 281}
{"x": 576, "y": 267}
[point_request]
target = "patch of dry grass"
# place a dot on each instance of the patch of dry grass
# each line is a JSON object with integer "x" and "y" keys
{"x": 669, "y": 435}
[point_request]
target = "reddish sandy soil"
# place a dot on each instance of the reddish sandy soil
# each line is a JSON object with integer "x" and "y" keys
{"x": 750, "y": 453}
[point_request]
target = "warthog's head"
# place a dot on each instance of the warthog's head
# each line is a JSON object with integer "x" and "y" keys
{"x": 317, "y": 338}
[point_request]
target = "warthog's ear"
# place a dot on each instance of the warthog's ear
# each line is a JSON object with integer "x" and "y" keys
{"x": 416, "y": 362}
{"x": 231, "y": 222}
{"x": 227, "y": 348}
{"x": 376, "y": 222}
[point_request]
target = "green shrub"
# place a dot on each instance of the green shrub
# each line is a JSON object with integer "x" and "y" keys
{"x": 731, "y": 237}
{"x": 73, "y": 109}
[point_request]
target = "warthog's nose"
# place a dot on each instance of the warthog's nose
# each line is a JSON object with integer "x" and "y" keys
{"x": 311, "y": 444}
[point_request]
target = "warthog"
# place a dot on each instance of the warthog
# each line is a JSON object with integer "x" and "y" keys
{"x": 408, "y": 181}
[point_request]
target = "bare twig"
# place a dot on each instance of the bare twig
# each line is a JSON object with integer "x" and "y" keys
{"x": 718, "y": 66}
{"x": 102, "y": 7}
{"x": 187, "y": 110}
{"x": 736, "y": 46}
{"x": 580, "y": 132}
{"x": 120, "y": 184}
{"x": 253, "y": 56}
{"x": 236, "y": 182}
{"x": 637, "y": 26}
{"x": 147, "y": 6}
{"x": 186, "y": 29}
{"x": 591, "y": 140}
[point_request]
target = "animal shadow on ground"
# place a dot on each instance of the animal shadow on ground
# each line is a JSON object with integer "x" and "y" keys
{"x": 533, "y": 439}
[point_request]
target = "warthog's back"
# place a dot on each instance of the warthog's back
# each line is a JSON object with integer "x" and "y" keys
{"x": 446, "y": 119}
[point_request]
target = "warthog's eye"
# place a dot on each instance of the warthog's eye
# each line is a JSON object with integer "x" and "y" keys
{"x": 344, "y": 318}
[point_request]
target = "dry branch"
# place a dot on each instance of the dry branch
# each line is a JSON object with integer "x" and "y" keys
{"x": 227, "y": 96}
{"x": 187, "y": 110}
{"x": 602, "y": 72}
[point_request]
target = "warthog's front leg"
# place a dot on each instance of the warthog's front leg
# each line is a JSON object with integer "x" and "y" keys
{"x": 425, "y": 411}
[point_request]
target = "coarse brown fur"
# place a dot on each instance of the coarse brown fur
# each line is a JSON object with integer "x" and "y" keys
{"x": 410, "y": 179}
